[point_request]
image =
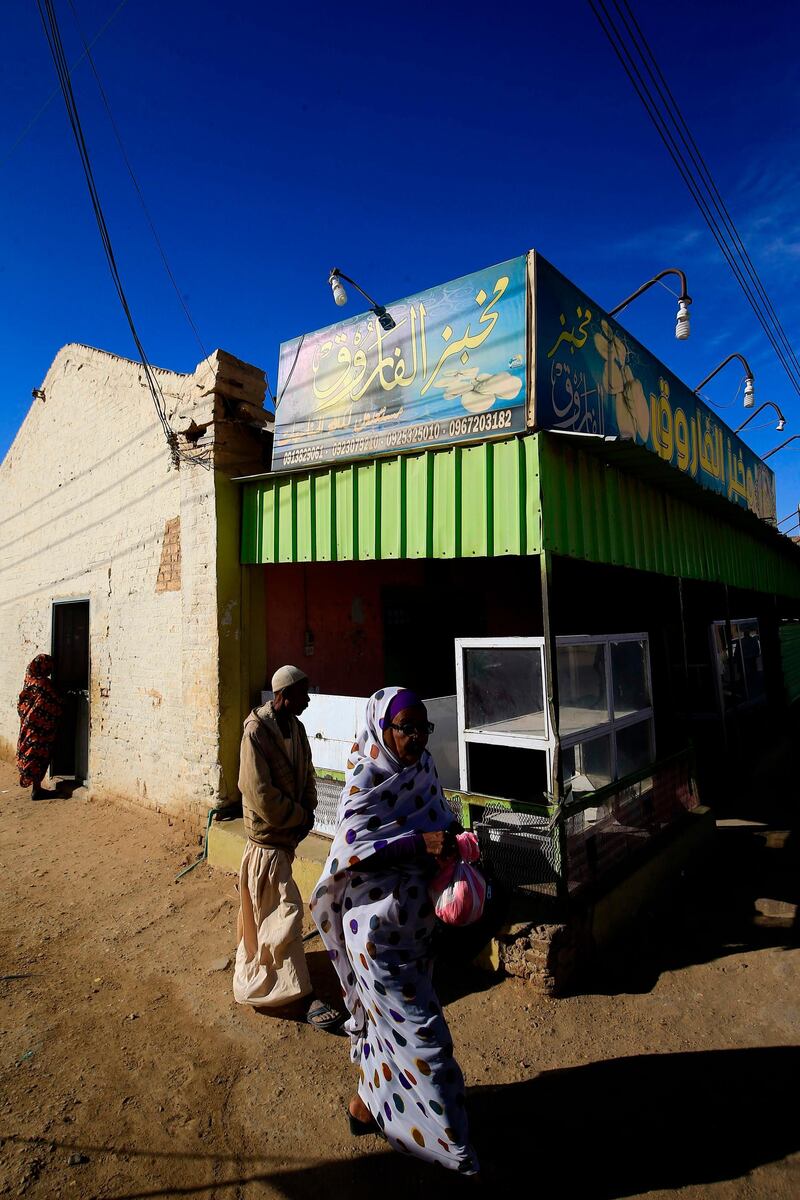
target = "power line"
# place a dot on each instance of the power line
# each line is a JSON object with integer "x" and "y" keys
{"x": 719, "y": 203}
{"x": 135, "y": 182}
{"x": 617, "y": 41}
{"x": 55, "y": 44}
{"x": 56, "y": 91}
{"x": 686, "y": 170}
{"x": 291, "y": 371}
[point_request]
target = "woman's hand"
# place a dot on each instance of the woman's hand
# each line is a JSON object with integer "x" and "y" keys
{"x": 441, "y": 845}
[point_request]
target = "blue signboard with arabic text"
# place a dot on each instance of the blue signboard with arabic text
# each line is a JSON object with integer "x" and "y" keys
{"x": 454, "y": 369}
{"x": 593, "y": 377}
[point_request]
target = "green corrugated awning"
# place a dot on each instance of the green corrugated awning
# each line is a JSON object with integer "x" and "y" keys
{"x": 648, "y": 517}
{"x": 461, "y": 502}
{"x": 579, "y": 497}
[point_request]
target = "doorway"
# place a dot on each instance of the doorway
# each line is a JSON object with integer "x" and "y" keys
{"x": 70, "y": 640}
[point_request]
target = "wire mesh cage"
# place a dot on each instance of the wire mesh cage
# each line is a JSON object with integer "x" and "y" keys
{"x": 600, "y": 837}
{"x": 455, "y": 803}
{"x": 328, "y": 793}
{"x": 520, "y": 849}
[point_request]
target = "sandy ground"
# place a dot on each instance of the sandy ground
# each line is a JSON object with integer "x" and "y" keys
{"x": 127, "y": 1070}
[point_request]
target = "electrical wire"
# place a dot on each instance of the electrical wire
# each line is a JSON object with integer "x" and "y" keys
{"x": 57, "y": 90}
{"x": 291, "y": 371}
{"x": 617, "y": 41}
{"x": 686, "y": 172}
{"x": 135, "y": 182}
{"x": 730, "y": 404}
{"x": 55, "y": 44}
{"x": 769, "y": 424}
{"x": 714, "y": 192}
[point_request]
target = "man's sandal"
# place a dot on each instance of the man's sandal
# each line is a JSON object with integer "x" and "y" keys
{"x": 322, "y": 1016}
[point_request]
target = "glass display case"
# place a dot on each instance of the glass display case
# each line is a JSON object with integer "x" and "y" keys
{"x": 605, "y": 708}
{"x": 504, "y": 691}
{"x": 605, "y": 715}
{"x": 505, "y": 741}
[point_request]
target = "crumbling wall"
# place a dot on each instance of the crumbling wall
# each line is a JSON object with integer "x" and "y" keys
{"x": 93, "y": 508}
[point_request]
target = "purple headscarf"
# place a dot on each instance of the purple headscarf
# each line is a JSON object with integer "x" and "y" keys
{"x": 403, "y": 699}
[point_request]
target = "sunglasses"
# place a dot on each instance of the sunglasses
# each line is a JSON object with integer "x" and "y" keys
{"x": 424, "y": 728}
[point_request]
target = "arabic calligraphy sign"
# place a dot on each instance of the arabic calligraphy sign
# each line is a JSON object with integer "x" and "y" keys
{"x": 453, "y": 370}
{"x": 593, "y": 377}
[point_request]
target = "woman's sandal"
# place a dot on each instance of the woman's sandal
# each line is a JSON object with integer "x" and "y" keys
{"x": 322, "y": 1016}
{"x": 362, "y": 1128}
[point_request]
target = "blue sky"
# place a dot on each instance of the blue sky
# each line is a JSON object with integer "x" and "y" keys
{"x": 407, "y": 146}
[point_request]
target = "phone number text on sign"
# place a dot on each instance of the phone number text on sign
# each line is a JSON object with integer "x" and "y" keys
{"x": 496, "y": 421}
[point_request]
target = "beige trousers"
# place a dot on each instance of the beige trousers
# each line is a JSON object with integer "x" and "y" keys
{"x": 270, "y": 964}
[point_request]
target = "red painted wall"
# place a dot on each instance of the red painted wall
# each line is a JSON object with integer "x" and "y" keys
{"x": 340, "y": 603}
{"x": 379, "y": 623}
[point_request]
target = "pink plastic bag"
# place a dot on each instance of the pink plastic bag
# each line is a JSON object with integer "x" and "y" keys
{"x": 458, "y": 892}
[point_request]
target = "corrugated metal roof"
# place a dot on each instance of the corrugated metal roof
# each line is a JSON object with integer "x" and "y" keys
{"x": 580, "y": 497}
{"x": 461, "y": 502}
{"x": 593, "y": 510}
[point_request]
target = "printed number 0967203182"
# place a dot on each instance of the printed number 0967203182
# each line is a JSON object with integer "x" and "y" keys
{"x": 482, "y": 423}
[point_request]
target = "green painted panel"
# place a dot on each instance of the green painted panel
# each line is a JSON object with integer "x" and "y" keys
{"x": 508, "y": 499}
{"x": 446, "y": 498}
{"x": 474, "y": 527}
{"x": 366, "y": 475}
{"x": 416, "y": 510}
{"x": 284, "y": 504}
{"x": 391, "y": 508}
{"x": 345, "y": 543}
{"x": 252, "y": 510}
{"x": 323, "y": 516}
{"x": 267, "y": 505}
{"x": 303, "y": 510}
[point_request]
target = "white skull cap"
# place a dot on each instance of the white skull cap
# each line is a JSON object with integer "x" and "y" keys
{"x": 284, "y": 677}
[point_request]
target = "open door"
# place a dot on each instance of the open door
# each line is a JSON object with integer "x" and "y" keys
{"x": 71, "y": 675}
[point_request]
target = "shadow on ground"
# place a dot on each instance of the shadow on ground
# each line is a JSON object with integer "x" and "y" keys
{"x": 619, "y": 1128}
{"x": 744, "y": 897}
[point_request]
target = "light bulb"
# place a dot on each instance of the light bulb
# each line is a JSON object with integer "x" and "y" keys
{"x": 749, "y": 394}
{"x": 337, "y": 287}
{"x": 781, "y": 425}
{"x": 682, "y": 320}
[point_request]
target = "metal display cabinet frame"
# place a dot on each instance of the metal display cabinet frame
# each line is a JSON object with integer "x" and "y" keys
{"x": 544, "y": 824}
{"x": 612, "y": 723}
{"x": 607, "y": 726}
{"x": 486, "y": 734}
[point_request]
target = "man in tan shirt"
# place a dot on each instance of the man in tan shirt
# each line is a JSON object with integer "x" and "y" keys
{"x": 279, "y": 795}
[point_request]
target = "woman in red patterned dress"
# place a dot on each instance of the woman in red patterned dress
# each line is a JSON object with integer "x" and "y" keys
{"x": 39, "y": 707}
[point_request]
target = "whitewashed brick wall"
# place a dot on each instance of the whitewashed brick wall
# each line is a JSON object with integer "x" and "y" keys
{"x": 86, "y": 491}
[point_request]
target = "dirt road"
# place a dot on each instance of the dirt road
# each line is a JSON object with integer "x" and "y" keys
{"x": 127, "y": 1070}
